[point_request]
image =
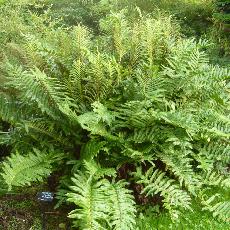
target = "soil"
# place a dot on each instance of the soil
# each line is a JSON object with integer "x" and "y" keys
{"x": 24, "y": 212}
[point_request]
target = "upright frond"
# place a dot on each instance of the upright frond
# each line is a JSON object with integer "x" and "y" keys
{"x": 122, "y": 207}
{"x": 101, "y": 204}
{"x": 89, "y": 196}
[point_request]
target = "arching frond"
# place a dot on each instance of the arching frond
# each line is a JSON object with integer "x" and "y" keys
{"x": 156, "y": 182}
{"x": 19, "y": 170}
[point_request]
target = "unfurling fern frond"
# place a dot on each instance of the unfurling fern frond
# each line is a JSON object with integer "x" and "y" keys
{"x": 19, "y": 170}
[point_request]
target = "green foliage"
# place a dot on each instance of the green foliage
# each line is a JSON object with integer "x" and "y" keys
{"x": 138, "y": 111}
{"x": 219, "y": 34}
{"x": 218, "y": 207}
{"x": 102, "y": 204}
{"x": 156, "y": 182}
{"x": 194, "y": 16}
{"x": 223, "y": 7}
{"x": 21, "y": 170}
{"x": 196, "y": 220}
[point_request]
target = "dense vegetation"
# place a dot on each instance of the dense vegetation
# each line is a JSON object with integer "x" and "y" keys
{"x": 119, "y": 101}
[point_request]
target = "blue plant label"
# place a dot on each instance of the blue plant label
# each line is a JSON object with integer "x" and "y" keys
{"x": 46, "y": 196}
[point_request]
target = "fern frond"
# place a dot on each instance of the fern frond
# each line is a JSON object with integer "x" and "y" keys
{"x": 135, "y": 114}
{"x": 82, "y": 41}
{"x": 36, "y": 86}
{"x": 91, "y": 149}
{"x": 45, "y": 128}
{"x": 142, "y": 155}
{"x": 122, "y": 206}
{"x": 179, "y": 119}
{"x": 117, "y": 26}
{"x": 214, "y": 152}
{"x": 188, "y": 53}
{"x": 10, "y": 109}
{"x": 102, "y": 205}
{"x": 63, "y": 189}
{"x": 220, "y": 210}
{"x": 98, "y": 121}
{"x": 98, "y": 84}
{"x": 74, "y": 84}
{"x": 19, "y": 170}
{"x": 181, "y": 167}
{"x": 219, "y": 130}
{"x": 89, "y": 196}
{"x": 213, "y": 178}
{"x": 96, "y": 171}
{"x": 146, "y": 134}
{"x": 155, "y": 34}
{"x": 156, "y": 182}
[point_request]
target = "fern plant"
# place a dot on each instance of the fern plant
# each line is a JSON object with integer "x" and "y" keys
{"x": 134, "y": 115}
